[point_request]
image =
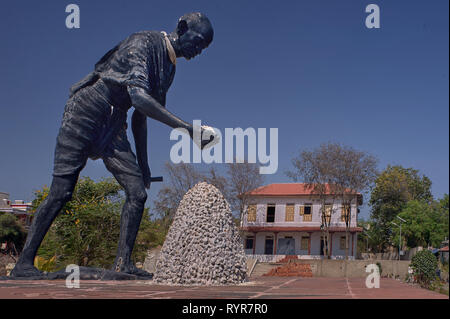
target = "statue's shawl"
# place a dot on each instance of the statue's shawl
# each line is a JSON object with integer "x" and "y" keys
{"x": 141, "y": 60}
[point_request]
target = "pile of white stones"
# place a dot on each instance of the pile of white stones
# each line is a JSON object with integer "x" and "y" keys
{"x": 203, "y": 245}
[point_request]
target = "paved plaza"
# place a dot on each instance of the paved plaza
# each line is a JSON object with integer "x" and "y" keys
{"x": 259, "y": 288}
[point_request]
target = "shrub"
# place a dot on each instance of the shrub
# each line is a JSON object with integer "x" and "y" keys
{"x": 86, "y": 232}
{"x": 11, "y": 230}
{"x": 43, "y": 264}
{"x": 424, "y": 265}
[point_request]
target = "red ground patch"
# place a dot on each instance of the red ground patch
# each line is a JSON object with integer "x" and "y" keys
{"x": 262, "y": 287}
{"x": 291, "y": 269}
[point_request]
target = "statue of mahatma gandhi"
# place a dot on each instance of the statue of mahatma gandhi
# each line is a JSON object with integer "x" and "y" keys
{"x": 137, "y": 72}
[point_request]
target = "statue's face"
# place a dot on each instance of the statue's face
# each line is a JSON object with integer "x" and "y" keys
{"x": 196, "y": 38}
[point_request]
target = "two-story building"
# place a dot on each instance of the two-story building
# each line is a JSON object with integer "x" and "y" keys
{"x": 286, "y": 219}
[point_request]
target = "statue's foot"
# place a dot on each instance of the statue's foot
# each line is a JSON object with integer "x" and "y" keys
{"x": 132, "y": 270}
{"x": 25, "y": 270}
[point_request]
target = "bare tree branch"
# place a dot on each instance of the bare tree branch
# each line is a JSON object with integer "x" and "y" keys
{"x": 334, "y": 171}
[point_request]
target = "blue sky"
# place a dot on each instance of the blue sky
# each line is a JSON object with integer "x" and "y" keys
{"x": 310, "y": 68}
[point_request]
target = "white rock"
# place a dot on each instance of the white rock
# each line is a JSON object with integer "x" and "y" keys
{"x": 203, "y": 245}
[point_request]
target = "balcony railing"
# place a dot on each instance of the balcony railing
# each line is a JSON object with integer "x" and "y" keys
{"x": 307, "y": 218}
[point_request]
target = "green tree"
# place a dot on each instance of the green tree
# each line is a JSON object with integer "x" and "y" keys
{"x": 394, "y": 188}
{"x": 11, "y": 230}
{"x": 443, "y": 203}
{"x": 86, "y": 232}
{"x": 369, "y": 240}
{"x": 440, "y": 218}
{"x": 416, "y": 229}
{"x": 426, "y": 224}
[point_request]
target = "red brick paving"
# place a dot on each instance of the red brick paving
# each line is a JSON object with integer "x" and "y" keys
{"x": 291, "y": 270}
{"x": 261, "y": 288}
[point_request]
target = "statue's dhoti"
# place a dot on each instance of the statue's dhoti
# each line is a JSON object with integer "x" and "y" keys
{"x": 94, "y": 127}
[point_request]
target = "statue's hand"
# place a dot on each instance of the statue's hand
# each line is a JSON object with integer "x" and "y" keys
{"x": 146, "y": 175}
{"x": 209, "y": 137}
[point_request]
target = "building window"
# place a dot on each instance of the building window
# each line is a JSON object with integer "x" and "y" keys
{"x": 345, "y": 211}
{"x": 249, "y": 242}
{"x": 342, "y": 243}
{"x": 270, "y": 218}
{"x": 306, "y": 212}
{"x": 268, "y": 247}
{"x": 290, "y": 212}
{"x": 304, "y": 243}
{"x": 251, "y": 217}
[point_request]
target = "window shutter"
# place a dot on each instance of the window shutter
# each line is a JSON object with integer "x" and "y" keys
{"x": 302, "y": 210}
{"x": 290, "y": 213}
{"x": 251, "y": 213}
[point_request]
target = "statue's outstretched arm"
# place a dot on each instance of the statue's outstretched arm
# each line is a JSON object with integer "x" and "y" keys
{"x": 139, "y": 128}
{"x": 148, "y": 106}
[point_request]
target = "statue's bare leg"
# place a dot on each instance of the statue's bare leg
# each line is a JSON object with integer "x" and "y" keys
{"x": 121, "y": 162}
{"x": 60, "y": 193}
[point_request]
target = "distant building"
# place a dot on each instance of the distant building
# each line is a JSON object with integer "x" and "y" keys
{"x": 286, "y": 219}
{"x": 19, "y": 208}
{"x": 4, "y": 200}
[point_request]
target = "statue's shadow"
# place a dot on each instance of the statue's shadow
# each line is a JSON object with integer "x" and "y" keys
{"x": 85, "y": 273}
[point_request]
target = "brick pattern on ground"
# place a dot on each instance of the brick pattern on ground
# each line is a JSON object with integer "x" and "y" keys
{"x": 291, "y": 270}
{"x": 262, "y": 288}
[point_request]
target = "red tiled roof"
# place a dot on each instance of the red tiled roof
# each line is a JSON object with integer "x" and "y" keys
{"x": 296, "y": 229}
{"x": 444, "y": 248}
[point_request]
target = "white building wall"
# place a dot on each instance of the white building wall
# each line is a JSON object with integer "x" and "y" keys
{"x": 280, "y": 212}
{"x": 280, "y": 221}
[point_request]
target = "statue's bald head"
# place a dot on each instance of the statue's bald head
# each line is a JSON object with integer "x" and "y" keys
{"x": 195, "y": 33}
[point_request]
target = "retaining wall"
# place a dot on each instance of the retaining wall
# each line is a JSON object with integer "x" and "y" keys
{"x": 341, "y": 268}
{"x": 356, "y": 268}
